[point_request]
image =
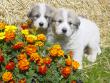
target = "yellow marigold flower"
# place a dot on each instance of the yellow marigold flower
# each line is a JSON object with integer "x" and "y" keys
{"x": 56, "y": 46}
{"x": 53, "y": 52}
{"x": 10, "y": 28}
{"x": 23, "y": 65}
{"x": 41, "y": 37}
{"x": 60, "y": 53}
{"x": 7, "y": 76}
{"x": 30, "y": 38}
{"x": 75, "y": 65}
{"x": 21, "y": 56}
{"x": 34, "y": 57}
{"x": 39, "y": 43}
{"x": 25, "y": 32}
{"x": 2, "y": 35}
{"x": 2, "y": 25}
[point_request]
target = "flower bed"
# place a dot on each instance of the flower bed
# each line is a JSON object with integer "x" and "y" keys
{"x": 29, "y": 58}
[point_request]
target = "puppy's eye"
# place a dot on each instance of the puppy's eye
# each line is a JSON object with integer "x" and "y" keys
{"x": 70, "y": 23}
{"x": 37, "y": 16}
{"x": 60, "y": 21}
{"x": 46, "y": 17}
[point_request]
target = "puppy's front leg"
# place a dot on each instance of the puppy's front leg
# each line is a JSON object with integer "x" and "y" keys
{"x": 78, "y": 56}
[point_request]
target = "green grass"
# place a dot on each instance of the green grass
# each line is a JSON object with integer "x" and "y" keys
{"x": 98, "y": 72}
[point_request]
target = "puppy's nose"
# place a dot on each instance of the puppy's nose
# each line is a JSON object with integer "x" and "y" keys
{"x": 64, "y": 30}
{"x": 41, "y": 24}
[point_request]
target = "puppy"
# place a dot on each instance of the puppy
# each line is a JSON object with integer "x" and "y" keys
{"x": 41, "y": 15}
{"x": 77, "y": 34}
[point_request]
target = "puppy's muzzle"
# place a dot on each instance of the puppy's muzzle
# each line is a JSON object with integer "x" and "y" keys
{"x": 41, "y": 24}
{"x": 64, "y": 30}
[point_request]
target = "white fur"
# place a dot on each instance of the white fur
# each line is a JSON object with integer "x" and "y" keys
{"x": 87, "y": 35}
{"x": 41, "y": 19}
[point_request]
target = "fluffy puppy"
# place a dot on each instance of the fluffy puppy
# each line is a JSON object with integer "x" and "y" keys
{"x": 41, "y": 16}
{"x": 77, "y": 34}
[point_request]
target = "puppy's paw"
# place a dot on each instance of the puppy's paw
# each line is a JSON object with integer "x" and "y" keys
{"x": 91, "y": 58}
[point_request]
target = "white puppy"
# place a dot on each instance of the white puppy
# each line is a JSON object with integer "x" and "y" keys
{"x": 41, "y": 15}
{"x": 77, "y": 34}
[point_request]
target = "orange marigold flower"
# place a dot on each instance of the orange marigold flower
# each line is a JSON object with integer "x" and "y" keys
{"x": 18, "y": 45}
{"x": 40, "y": 61}
{"x": 42, "y": 69}
{"x": 30, "y": 38}
{"x": 34, "y": 57}
{"x": 47, "y": 60}
{"x": 21, "y": 56}
{"x": 68, "y": 61}
{"x": 41, "y": 37}
{"x": 39, "y": 43}
{"x": 23, "y": 80}
{"x": 75, "y": 65}
{"x": 23, "y": 65}
{"x": 53, "y": 52}
{"x": 2, "y": 25}
{"x": 7, "y": 76}
{"x": 30, "y": 49}
{"x": 66, "y": 71}
{"x": 60, "y": 53}
{"x": 9, "y": 36}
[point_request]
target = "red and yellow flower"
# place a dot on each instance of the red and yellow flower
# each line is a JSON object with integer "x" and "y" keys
{"x": 30, "y": 38}
{"x": 75, "y": 65}
{"x": 34, "y": 57}
{"x": 60, "y": 53}
{"x": 23, "y": 65}
{"x": 66, "y": 71}
{"x": 40, "y": 61}
{"x": 47, "y": 60}
{"x": 7, "y": 76}
{"x": 30, "y": 49}
{"x": 53, "y": 52}
{"x": 42, "y": 69}
{"x": 9, "y": 36}
{"x": 21, "y": 56}
{"x": 41, "y": 37}
{"x": 10, "y": 66}
{"x": 68, "y": 61}
{"x": 18, "y": 45}
{"x": 56, "y": 46}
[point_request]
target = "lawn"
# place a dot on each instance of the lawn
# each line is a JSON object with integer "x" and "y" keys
{"x": 98, "y": 72}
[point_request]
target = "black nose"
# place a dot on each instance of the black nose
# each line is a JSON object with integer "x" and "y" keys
{"x": 41, "y": 24}
{"x": 64, "y": 30}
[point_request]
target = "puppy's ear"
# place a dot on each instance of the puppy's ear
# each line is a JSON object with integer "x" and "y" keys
{"x": 29, "y": 14}
{"x": 75, "y": 18}
{"x": 31, "y": 11}
{"x": 50, "y": 10}
{"x": 77, "y": 21}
